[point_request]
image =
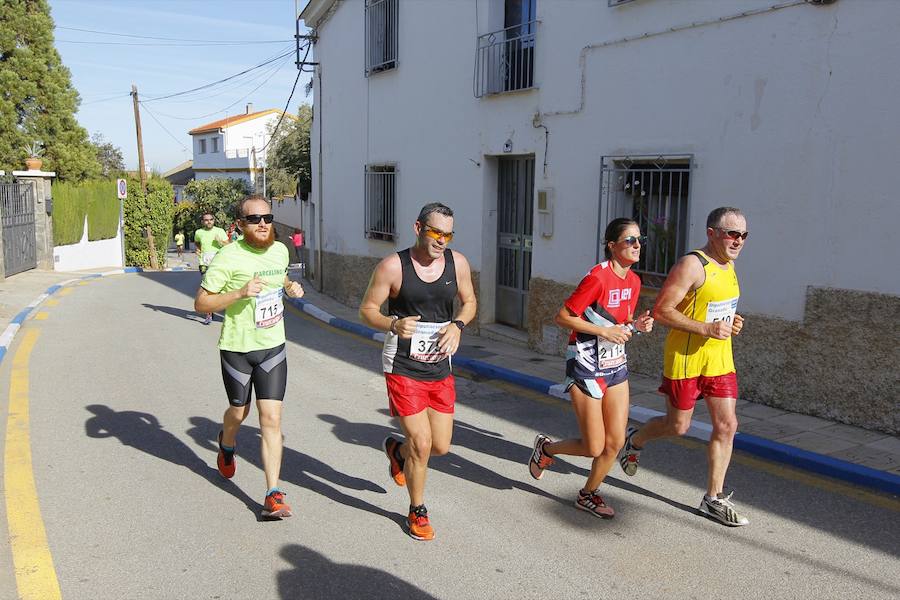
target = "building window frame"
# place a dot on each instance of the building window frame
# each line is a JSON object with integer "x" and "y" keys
{"x": 215, "y": 145}
{"x": 202, "y": 146}
{"x": 382, "y": 25}
{"x": 655, "y": 191}
{"x": 380, "y": 201}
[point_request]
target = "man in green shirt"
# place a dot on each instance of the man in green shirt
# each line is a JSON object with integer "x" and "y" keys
{"x": 209, "y": 240}
{"x": 247, "y": 280}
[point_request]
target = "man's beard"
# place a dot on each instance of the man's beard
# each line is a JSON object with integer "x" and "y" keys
{"x": 253, "y": 240}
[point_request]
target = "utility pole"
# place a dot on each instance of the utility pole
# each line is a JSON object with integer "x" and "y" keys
{"x": 154, "y": 264}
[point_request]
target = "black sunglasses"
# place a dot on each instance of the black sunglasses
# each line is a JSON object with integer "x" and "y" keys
{"x": 631, "y": 240}
{"x": 254, "y": 219}
{"x": 734, "y": 234}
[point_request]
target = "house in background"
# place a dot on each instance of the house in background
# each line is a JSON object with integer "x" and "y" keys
{"x": 539, "y": 124}
{"x": 179, "y": 176}
{"x": 235, "y": 147}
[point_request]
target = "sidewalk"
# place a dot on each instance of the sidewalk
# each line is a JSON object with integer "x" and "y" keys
{"x": 797, "y": 439}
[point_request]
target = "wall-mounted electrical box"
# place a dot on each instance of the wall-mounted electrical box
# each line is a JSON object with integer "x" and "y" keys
{"x": 545, "y": 212}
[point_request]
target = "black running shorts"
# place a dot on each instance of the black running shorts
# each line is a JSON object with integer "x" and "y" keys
{"x": 262, "y": 370}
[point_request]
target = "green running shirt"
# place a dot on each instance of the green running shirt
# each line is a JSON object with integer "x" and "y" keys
{"x": 209, "y": 242}
{"x": 250, "y": 323}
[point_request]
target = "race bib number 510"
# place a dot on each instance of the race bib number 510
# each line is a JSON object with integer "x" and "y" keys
{"x": 269, "y": 308}
{"x": 424, "y": 345}
{"x": 721, "y": 311}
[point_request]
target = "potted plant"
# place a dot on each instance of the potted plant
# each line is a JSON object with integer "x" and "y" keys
{"x": 34, "y": 161}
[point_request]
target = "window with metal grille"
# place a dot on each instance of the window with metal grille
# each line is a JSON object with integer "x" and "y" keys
{"x": 504, "y": 59}
{"x": 655, "y": 192}
{"x": 618, "y": 2}
{"x": 381, "y": 196}
{"x": 381, "y": 35}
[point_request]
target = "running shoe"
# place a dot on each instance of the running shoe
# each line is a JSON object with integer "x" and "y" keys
{"x": 275, "y": 507}
{"x": 225, "y": 461}
{"x": 592, "y": 502}
{"x": 539, "y": 460}
{"x": 208, "y": 319}
{"x": 419, "y": 526}
{"x": 395, "y": 468}
{"x": 631, "y": 456}
{"x": 722, "y": 509}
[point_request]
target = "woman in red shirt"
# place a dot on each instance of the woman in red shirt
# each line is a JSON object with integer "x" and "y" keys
{"x": 600, "y": 314}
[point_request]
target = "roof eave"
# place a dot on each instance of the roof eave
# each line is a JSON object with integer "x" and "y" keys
{"x": 315, "y": 10}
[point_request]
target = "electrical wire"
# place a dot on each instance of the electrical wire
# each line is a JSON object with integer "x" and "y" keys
{"x": 288, "y": 103}
{"x": 169, "y": 39}
{"x": 163, "y": 44}
{"x": 220, "y": 81}
{"x": 158, "y": 122}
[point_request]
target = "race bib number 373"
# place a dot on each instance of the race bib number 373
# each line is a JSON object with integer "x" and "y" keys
{"x": 424, "y": 345}
{"x": 269, "y": 308}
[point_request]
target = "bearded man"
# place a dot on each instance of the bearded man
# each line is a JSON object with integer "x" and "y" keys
{"x": 248, "y": 279}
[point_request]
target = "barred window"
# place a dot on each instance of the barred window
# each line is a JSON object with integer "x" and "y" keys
{"x": 618, "y": 2}
{"x": 381, "y": 35}
{"x": 655, "y": 192}
{"x": 380, "y": 202}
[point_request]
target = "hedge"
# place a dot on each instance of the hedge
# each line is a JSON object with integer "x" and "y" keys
{"x": 72, "y": 202}
{"x": 156, "y": 210}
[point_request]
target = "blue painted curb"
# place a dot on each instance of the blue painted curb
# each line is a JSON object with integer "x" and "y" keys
{"x": 768, "y": 449}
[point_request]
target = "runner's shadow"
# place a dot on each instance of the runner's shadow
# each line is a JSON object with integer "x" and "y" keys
{"x": 179, "y": 312}
{"x": 297, "y": 468}
{"x": 372, "y": 436}
{"x": 314, "y": 576}
{"x": 144, "y": 432}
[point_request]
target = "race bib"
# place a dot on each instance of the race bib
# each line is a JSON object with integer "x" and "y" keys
{"x": 721, "y": 311}
{"x": 269, "y": 309}
{"x": 609, "y": 355}
{"x": 207, "y": 258}
{"x": 424, "y": 346}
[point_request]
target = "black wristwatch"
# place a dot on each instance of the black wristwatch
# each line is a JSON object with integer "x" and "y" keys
{"x": 459, "y": 324}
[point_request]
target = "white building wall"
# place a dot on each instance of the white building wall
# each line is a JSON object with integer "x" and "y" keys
{"x": 789, "y": 115}
{"x": 89, "y": 255}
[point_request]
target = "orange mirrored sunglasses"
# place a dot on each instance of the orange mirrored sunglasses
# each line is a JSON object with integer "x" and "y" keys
{"x": 437, "y": 234}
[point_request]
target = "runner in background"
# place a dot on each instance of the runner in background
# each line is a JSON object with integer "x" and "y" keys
{"x": 209, "y": 239}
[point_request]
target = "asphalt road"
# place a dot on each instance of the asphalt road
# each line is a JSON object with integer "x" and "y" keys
{"x": 125, "y": 399}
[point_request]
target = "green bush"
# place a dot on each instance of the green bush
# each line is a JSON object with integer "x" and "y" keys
{"x": 216, "y": 196}
{"x": 72, "y": 202}
{"x": 185, "y": 220}
{"x": 156, "y": 210}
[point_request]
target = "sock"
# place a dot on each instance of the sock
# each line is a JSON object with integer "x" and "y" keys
{"x": 413, "y": 509}
{"x": 227, "y": 449}
{"x": 273, "y": 490}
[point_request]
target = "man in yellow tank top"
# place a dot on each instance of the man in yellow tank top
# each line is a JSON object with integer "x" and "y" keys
{"x": 698, "y": 302}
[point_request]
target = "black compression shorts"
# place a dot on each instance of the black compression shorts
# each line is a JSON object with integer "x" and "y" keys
{"x": 262, "y": 370}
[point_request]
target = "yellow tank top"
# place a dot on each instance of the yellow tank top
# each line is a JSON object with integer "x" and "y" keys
{"x": 689, "y": 355}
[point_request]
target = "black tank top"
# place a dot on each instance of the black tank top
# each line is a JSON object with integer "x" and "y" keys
{"x": 431, "y": 301}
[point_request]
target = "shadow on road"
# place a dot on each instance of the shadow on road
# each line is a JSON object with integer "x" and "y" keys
{"x": 144, "y": 432}
{"x": 179, "y": 312}
{"x": 314, "y": 576}
{"x": 297, "y": 468}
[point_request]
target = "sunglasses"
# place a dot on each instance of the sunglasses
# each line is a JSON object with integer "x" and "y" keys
{"x": 631, "y": 240}
{"x": 437, "y": 234}
{"x": 734, "y": 234}
{"x": 255, "y": 219}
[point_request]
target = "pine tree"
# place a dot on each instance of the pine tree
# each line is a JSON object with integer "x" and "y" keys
{"x": 37, "y": 100}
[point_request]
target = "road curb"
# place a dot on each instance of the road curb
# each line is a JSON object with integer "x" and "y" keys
{"x": 768, "y": 449}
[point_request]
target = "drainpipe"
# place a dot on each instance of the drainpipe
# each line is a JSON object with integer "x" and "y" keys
{"x": 321, "y": 232}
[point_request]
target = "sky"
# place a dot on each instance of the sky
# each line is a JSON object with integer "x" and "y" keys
{"x": 104, "y": 72}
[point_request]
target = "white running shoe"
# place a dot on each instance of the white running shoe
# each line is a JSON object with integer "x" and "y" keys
{"x": 722, "y": 509}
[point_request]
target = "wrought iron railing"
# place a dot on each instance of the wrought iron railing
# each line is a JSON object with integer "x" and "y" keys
{"x": 504, "y": 60}
{"x": 382, "y": 25}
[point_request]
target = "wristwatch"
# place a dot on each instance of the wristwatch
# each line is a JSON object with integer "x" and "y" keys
{"x": 459, "y": 324}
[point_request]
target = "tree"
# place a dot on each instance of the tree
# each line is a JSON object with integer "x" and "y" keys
{"x": 289, "y": 169}
{"x": 109, "y": 156}
{"x": 217, "y": 196}
{"x": 153, "y": 209}
{"x": 37, "y": 100}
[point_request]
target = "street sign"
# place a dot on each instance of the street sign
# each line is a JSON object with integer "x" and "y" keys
{"x": 122, "y": 188}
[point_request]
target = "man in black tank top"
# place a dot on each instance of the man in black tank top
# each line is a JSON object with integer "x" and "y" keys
{"x": 420, "y": 285}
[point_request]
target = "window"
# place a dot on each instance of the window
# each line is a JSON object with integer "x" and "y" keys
{"x": 202, "y": 146}
{"x": 655, "y": 192}
{"x": 381, "y": 194}
{"x": 215, "y": 145}
{"x": 618, "y": 2}
{"x": 504, "y": 60}
{"x": 381, "y": 35}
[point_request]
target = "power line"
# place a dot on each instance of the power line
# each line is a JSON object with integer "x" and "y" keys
{"x": 214, "y": 83}
{"x": 158, "y": 122}
{"x": 168, "y": 39}
{"x": 163, "y": 44}
{"x": 107, "y": 99}
{"x": 288, "y": 103}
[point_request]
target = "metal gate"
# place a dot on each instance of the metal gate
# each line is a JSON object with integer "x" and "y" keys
{"x": 515, "y": 200}
{"x": 17, "y": 210}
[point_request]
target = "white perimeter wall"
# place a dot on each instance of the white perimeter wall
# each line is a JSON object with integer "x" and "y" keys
{"x": 790, "y": 115}
{"x": 89, "y": 255}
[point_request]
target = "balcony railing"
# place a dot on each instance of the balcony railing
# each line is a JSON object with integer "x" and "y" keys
{"x": 504, "y": 60}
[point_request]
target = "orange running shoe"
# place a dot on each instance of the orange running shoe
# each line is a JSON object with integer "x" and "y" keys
{"x": 395, "y": 468}
{"x": 275, "y": 507}
{"x": 225, "y": 461}
{"x": 419, "y": 526}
